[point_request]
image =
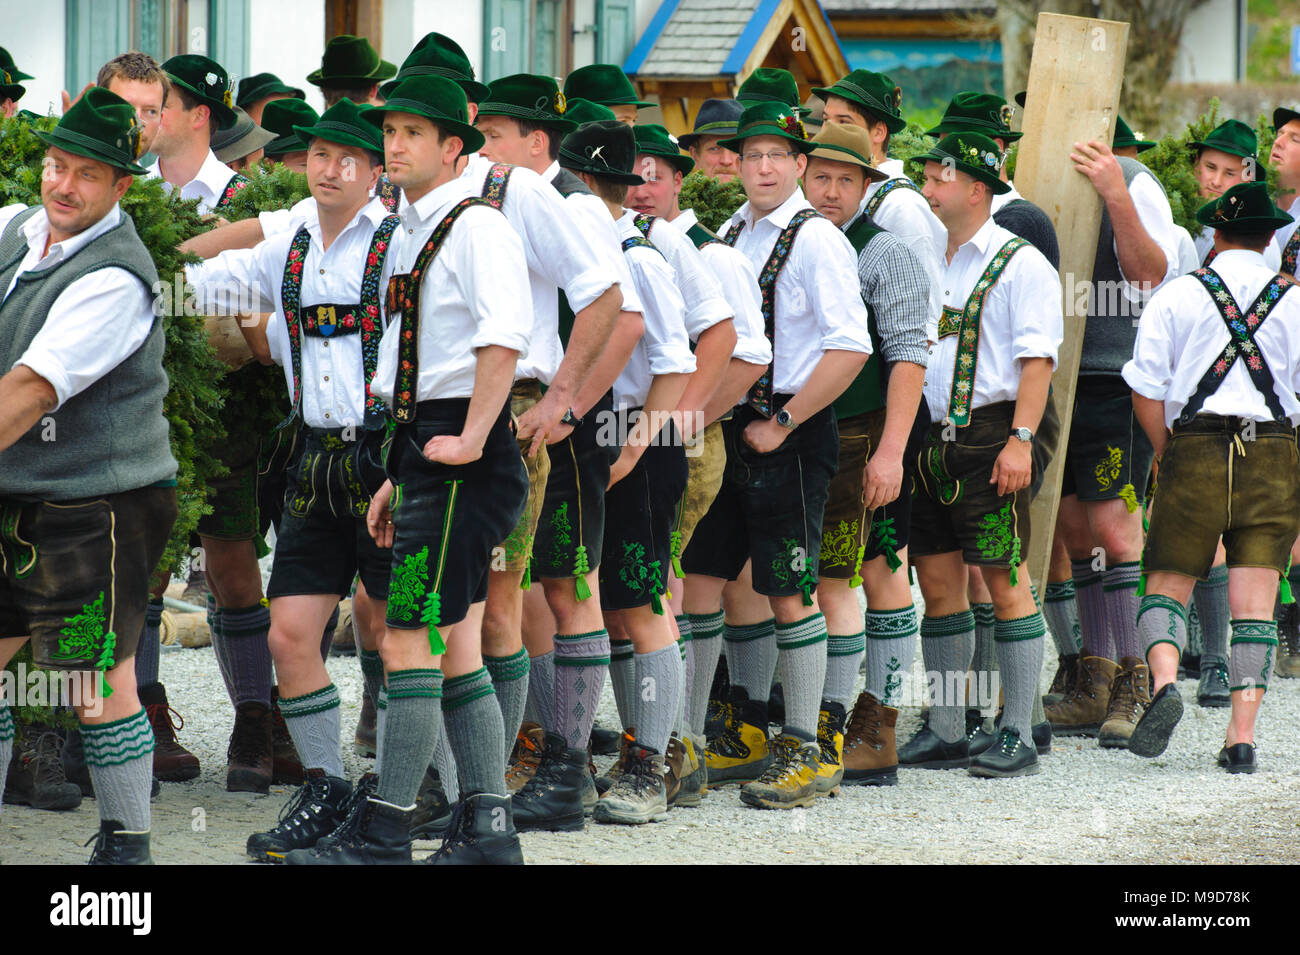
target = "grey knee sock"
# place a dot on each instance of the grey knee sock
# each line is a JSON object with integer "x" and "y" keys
{"x": 313, "y": 722}
{"x": 581, "y": 662}
{"x": 1254, "y": 645}
{"x": 472, "y": 722}
{"x": 1092, "y": 614}
{"x": 706, "y": 645}
{"x": 751, "y": 657}
{"x": 239, "y": 640}
{"x": 327, "y": 635}
{"x": 510, "y": 682}
{"x": 1020, "y": 656}
{"x": 622, "y": 675}
{"x": 1062, "y": 614}
{"x": 6, "y": 742}
{"x": 146, "y": 654}
{"x": 444, "y": 764}
{"x": 688, "y": 669}
{"x": 1195, "y": 636}
{"x": 891, "y": 647}
{"x": 119, "y": 756}
{"x": 1211, "y": 599}
{"x": 658, "y": 696}
{"x": 381, "y": 720}
{"x": 947, "y": 645}
{"x": 1119, "y": 586}
{"x": 372, "y": 673}
{"x": 984, "y": 662}
{"x": 540, "y": 708}
{"x": 803, "y": 654}
{"x": 843, "y": 656}
{"x": 410, "y": 732}
{"x": 1161, "y": 619}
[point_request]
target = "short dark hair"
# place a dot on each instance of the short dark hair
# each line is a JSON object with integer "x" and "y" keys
{"x": 358, "y": 94}
{"x": 133, "y": 66}
{"x": 190, "y": 101}
{"x": 527, "y": 128}
{"x": 608, "y": 189}
{"x": 860, "y": 111}
{"x": 1258, "y": 241}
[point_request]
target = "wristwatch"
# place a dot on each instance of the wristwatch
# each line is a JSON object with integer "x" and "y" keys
{"x": 785, "y": 420}
{"x": 571, "y": 419}
{"x": 1022, "y": 434}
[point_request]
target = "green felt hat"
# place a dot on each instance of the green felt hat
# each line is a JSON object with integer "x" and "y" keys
{"x": 769, "y": 119}
{"x": 582, "y": 111}
{"x": 535, "y": 99}
{"x": 280, "y": 117}
{"x": 100, "y": 125}
{"x": 437, "y": 99}
{"x": 717, "y": 117}
{"x": 205, "y": 79}
{"x": 1245, "y": 207}
{"x": 240, "y": 140}
{"x": 342, "y": 123}
{"x": 350, "y": 61}
{"x": 1125, "y": 137}
{"x": 654, "y": 140}
{"x": 606, "y": 148}
{"x": 980, "y": 113}
{"x": 7, "y": 65}
{"x": 769, "y": 84}
{"x": 1283, "y": 115}
{"x": 972, "y": 153}
{"x": 874, "y": 92}
{"x": 438, "y": 55}
{"x": 11, "y": 90}
{"x": 1232, "y": 137}
{"x": 602, "y": 83}
{"x": 261, "y": 85}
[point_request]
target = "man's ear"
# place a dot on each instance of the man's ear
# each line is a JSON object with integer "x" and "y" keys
{"x": 800, "y": 164}
{"x": 121, "y": 186}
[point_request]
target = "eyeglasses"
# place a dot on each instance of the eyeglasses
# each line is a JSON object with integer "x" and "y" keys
{"x": 775, "y": 155}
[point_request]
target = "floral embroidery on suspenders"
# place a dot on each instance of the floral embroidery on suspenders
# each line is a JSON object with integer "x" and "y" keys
{"x": 404, "y": 297}
{"x": 388, "y": 194}
{"x": 638, "y": 242}
{"x": 880, "y": 194}
{"x": 495, "y": 184}
{"x": 1241, "y": 329}
{"x": 644, "y": 223}
{"x": 1290, "y": 253}
{"x": 237, "y": 182}
{"x": 1209, "y": 257}
{"x": 760, "y": 394}
{"x": 968, "y": 335}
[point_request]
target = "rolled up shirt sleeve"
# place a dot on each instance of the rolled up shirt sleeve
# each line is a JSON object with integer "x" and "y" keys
{"x": 492, "y": 276}
{"x": 239, "y": 281}
{"x": 834, "y": 290}
{"x": 1035, "y": 307}
{"x": 556, "y": 246}
{"x": 1158, "y": 221}
{"x": 1150, "y": 371}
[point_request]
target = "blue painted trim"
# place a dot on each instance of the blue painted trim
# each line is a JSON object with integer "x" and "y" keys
{"x": 749, "y": 37}
{"x": 636, "y": 59}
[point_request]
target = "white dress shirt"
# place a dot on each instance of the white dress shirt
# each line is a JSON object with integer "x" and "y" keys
{"x": 907, "y": 214}
{"x": 1182, "y": 333}
{"x": 1158, "y": 221}
{"x": 95, "y": 324}
{"x": 705, "y": 306}
{"x": 818, "y": 305}
{"x": 998, "y": 203}
{"x": 333, "y": 373}
{"x": 474, "y": 294}
{"x": 1021, "y": 319}
{"x": 207, "y": 186}
{"x": 664, "y": 348}
{"x": 1190, "y": 254}
{"x": 739, "y": 287}
{"x": 276, "y": 221}
{"x": 1205, "y": 242}
{"x": 560, "y": 257}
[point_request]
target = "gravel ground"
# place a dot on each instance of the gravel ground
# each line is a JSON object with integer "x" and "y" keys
{"x": 1086, "y": 806}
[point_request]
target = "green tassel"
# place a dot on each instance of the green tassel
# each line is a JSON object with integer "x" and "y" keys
{"x": 656, "y": 604}
{"x": 806, "y": 584}
{"x": 856, "y": 579}
{"x": 1129, "y": 497}
{"x": 106, "y": 663}
{"x": 580, "y": 588}
{"x": 104, "y": 689}
{"x": 675, "y": 545}
{"x": 1142, "y": 585}
{"x": 892, "y": 560}
{"x": 527, "y": 582}
{"x": 432, "y": 617}
{"x": 1284, "y": 585}
{"x": 580, "y": 570}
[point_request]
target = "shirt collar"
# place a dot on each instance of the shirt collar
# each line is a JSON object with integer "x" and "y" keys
{"x": 433, "y": 201}
{"x": 685, "y": 219}
{"x": 370, "y": 215}
{"x": 1241, "y": 256}
{"x": 37, "y": 229}
{"x": 983, "y": 238}
{"x": 213, "y": 176}
{"x": 551, "y": 172}
{"x": 780, "y": 216}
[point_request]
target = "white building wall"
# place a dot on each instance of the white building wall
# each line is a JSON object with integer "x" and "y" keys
{"x": 39, "y": 48}
{"x": 1209, "y": 45}
{"x": 287, "y": 39}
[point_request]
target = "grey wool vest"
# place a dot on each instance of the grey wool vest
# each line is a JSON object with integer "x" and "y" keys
{"x": 1111, "y": 332}
{"x": 112, "y": 437}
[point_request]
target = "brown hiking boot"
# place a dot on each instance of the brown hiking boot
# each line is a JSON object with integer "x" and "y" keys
{"x": 605, "y": 783}
{"x": 870, "y": 748}
{"x": 1082, "y": 711}
{"x": 248, "y": 758}
{"x": 1130, "y": 695}
{"x": 1287, "y": 662}
{"x": 674, "y": 768}
{"x": 365, "y": 741}
{"x": 1067, "y": 676}
{"x": 286, "y": 767}
{"x": 525, "y": 757}
{"x": 172, "y": 762}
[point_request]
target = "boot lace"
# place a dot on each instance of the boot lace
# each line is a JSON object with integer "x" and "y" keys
{"x": 864, "y": 725}
{"x": 786, "y": 761}
{"x": 164, "y": 721}
{"x": 46, "y": 760}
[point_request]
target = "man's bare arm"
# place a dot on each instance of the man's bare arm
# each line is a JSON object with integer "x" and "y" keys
{"x": 738, "y": 378}
{"x": 24, "y": 397}
{"x": 243, "y": 234}
{"x": 712, "y": 354}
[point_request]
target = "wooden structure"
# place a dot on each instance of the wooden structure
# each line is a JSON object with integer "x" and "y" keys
{"x": 1073, "y": 96}
{"x": 695, "y": 50}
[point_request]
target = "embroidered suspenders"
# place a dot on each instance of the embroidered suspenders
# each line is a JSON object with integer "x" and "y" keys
{"x": 880, "y": 194}
{"x": 495, "y": 184}
{"x": 1241, "y": 329}
{"x": 387, "y": 194}
{"x": 1209, "y": 257}
{"x": 636, "y": 241}
{"x": 760, "y": 394}
{"x": 1291, "y": 252}
{"x": 968, "y": 332}
{"x": 644, "y": 223}
{"x": 237, "y": 182}
{"x": 404, "y": 297}
{"x": 325, "y": 321}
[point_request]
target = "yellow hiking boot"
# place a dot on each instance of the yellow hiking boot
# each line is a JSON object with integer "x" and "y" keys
{"x": 741, "y": 752}
{"x": 791, "y": 780}
{"x": 830, "y": 744}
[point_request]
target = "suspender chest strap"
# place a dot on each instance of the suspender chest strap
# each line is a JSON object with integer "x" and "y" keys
{"x": 237, "y": 182}
{"x": 879, "y": 196}
{"x": 968, "y": 334}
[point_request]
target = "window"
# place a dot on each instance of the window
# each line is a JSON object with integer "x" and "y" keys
{"x": 615, "y": 30}
{"x": 527, "y": 36}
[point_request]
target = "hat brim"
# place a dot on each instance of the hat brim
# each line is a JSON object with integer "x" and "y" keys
{"x": 118, "y": 161}
{"x": 1281, "y": 116}
{"x": 834, "y": 153}
{"x": 1221, "y": 147}
{"x": 384, "y": 71}
{"x": 19, "y": 75}
{"x": 339, "y": 136}
{"x": 470, "y": 136}
{"x": 957, "y": 127}
{"x": 253, "y": 140}
{"x": 688, "y": 140}
{"x": 895, "y": 124}
{"x": 1245, "y": 223}
{"x": 1141, "y": 145}
{"x": 989, "y": 179}
{"x": 557, "y": 123}
{"x": 284, "y": 145}
{"x": 224, "y": 114}
{"x": 736, "y": 142}
{"x": 475, "y": 91}
{"x": 622, "y": 178}
{"x": 13, "y": 91}
{"x": 683, "y": 164}
{"x": 268, "y": 89}
{"x": 639, "y": 104}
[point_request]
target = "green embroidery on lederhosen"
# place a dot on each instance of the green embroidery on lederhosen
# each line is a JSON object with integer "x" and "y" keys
{"x": 998, "y": 534}
{"x": 968, "y": 337}
{"x": 783, "y": 566}
{"x": 840, "y": 546}
{"x": 639, "y": 575}
{"x": 84, "y": 637}
{"x": 561, "y": 535}
{"x": 1108, "y": 468}
{"x": 409, "y": 583}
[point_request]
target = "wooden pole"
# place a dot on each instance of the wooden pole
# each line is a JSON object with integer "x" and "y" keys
{"x": 1075, "y": 75}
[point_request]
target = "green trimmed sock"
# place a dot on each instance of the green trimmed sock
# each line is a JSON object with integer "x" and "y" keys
{"x": 1092, "y": 610}
{"x": 891, "y": 647}
{"x": 581, "y": 662}
{"x": 843, "y": 656}
{"x": 1161, "y": 619}
{"x": 410, "y": 732}
{"x": 239, "y": 641}
{"x": 1061, "y": 611}
{"x": 313, "y": 722}
{"x": 984, "y": 661}
{"x": 688, "y": 668}
{"x": 706, "y": 646}
{"x": 475, "y": 732}
{"x": 1254, "y": 645}
{"x": 947, "y": 645}
{"x": 1211, "y": 599}
{"x": 622, "y": 674}
{"x": 751, "y": 657}
{"x": 1119, "y": 585}
{"x": 510, "y": 681}
{"x": 802, "y": 646}
{"x": 1020, "y": 658}
{"x": 372, "y": 673}
{"x": 658, "y": 696}
{"x": 119, "y": 756}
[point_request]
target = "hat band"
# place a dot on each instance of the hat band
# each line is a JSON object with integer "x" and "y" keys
{"x": 417, "y": 70}
{"x": 724, "y": 126}
{"x": 334, "y": 126}
{"x": 520, "y": 112}
{"x": 750, "y": 130}
{"x": 420, "y": 108}
{"x": 588, "y": 162}
{"x": 91, "y": 142}
{"x": 864, "y": 96}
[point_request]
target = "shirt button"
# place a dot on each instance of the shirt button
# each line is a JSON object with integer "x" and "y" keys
{"x": 327, "y": 377}
{"x": 327, "y": 344}
{"x": 322, "y": 271}
{"x": 327, "y": 414}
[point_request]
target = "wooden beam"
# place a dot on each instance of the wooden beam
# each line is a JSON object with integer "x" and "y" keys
{"x": 822, "y": 46}
{"x": 1075, "y": 76}
{"x": 780, "y": 22}
{"x": 924, "y": 27}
